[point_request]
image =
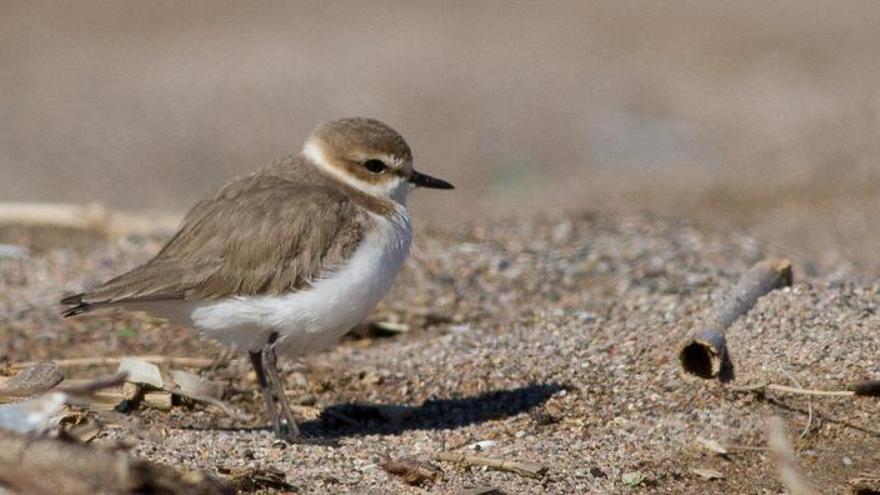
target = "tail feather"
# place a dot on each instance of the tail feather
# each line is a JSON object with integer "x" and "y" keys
{"x": 78, "y": 307}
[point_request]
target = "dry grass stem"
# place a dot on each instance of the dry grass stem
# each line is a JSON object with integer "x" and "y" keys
{"x": 763, "y": 387}
{"x": 786, "y": 462}
{"x": 529, "y": 469}
{"x": 85, "y": 217}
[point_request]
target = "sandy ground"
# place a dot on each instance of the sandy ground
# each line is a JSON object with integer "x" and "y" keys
{"x": 547, "y": 337}
{"x": 552, "y": 340}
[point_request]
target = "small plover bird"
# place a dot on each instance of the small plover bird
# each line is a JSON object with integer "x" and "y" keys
{"x": 287, "y": 259}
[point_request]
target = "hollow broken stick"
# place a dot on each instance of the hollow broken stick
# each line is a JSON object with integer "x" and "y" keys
{"x": 705, "y": 353}
{"x": 529, "y": 469}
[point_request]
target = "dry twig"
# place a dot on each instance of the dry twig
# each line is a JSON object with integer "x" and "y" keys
{"x": 413, "y": 471}
{"x": 786, "y": 463}
{"x": 705, "y": 353}
{"x": 56, "y": 467}
{"x": 114, "y": 361}
{"x": 250, "y": 479}
{"x": 528, "y": 469}
{"x": 809, "y": 424}
{"x": 89, "y": 217}
{"x": 89, "y": 387}
{"x": 861, "y": 389}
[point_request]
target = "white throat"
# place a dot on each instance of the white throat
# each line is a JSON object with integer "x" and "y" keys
{"x": 395, "y": 189}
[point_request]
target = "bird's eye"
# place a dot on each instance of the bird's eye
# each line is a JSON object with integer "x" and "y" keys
{"x": 375, "y": 166}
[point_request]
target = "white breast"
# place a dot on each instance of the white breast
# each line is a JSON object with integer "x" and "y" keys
{"x": 314, "y": 318}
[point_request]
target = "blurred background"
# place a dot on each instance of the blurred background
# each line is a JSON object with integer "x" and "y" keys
{"x": 750, "y": 114}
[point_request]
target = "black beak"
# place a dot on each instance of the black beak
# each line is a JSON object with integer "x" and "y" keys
{"x": 424, "y": 180}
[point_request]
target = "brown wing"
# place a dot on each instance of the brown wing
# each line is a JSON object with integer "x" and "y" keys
{"x": 260, "y": 235}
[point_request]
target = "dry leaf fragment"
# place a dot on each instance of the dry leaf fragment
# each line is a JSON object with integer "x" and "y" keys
{"x": 251, "y": 479}
{"x": 482, "y": 490}
{"x": 708, "y": 474}
{"x": 141, "y": 372}
{"x": 194, "y": 386}
{"x": 413, "y": 471}
{"x": 712, "y": 446}
{"x": 529, "y": 469}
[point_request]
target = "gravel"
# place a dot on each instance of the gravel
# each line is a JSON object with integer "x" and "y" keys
{"x": 552, "y": 340}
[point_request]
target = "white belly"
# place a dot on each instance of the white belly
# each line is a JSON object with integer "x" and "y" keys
{"x": 314, "y": 318}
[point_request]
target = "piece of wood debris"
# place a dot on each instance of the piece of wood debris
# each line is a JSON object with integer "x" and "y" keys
{"x": 712, "y": 446}
{"x": 127, "y": 399}
{"x": 481, "y": 490}
{"x": 159, "y": 399}
{"x": 705, "y": 353}
{"x": 173, "y": 361}
{"x": 141, "y": 372}
{"x": 100, "y": 394}
{"x": 196, "y": 388}
{"x": 861, "y": 389}
{"x": 413, "y": 471}
{"x": 251, "y": 479}
{"x": 79, "y": 427}
{"x": 92, "y": 216}
{"x": 84, "y": 388}
{"x": 104, "y": 401}
{"x": 868, "y": 388}
{"x": 57, "y": 467}
{"x": 34, "y": 379}
{"x": 181, "y": 383}
{"x": 708, "y": 474}
{"x": 84, "y": 217}
{"x": 387, "y": 328}
{"x": 132, "y": 392}
{"x": 865, "y": 484}
{"x": 786, "y": 462}
{"x": 528, "y": 469}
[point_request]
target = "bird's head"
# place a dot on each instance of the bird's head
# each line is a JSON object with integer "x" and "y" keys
{"x": 369, "y": 156}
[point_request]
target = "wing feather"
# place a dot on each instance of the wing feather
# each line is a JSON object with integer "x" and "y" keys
{"x": 260, "y": 235}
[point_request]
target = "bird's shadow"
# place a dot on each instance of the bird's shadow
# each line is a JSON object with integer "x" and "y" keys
{"x": 355, "y": 419}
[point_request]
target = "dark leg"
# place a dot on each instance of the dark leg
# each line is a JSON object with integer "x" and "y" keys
{"x": 265, "y": 388}
{"x": 285, "y": 424}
